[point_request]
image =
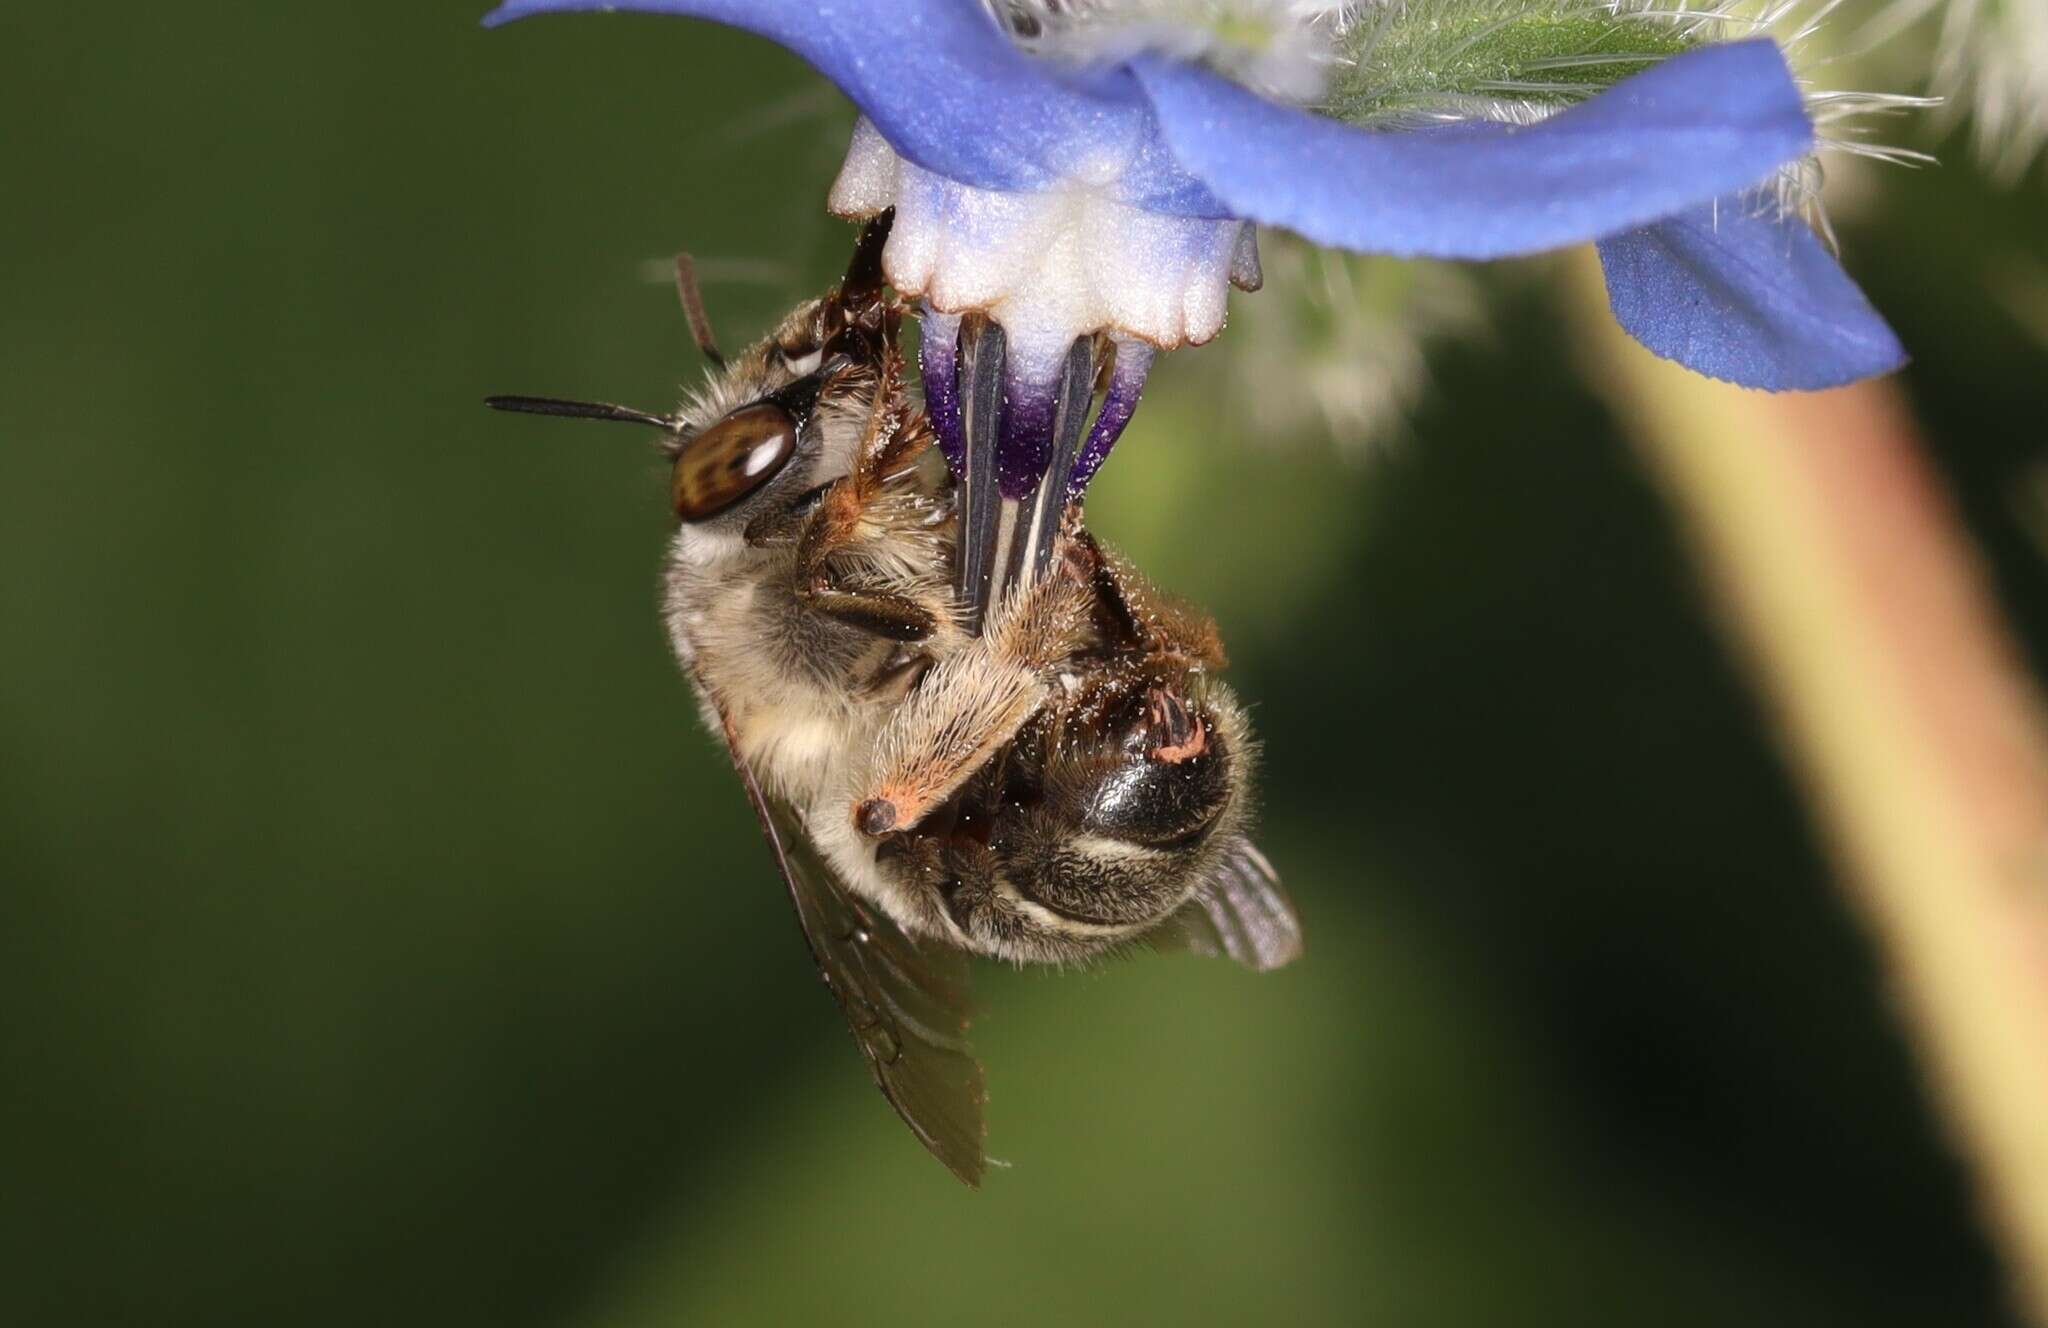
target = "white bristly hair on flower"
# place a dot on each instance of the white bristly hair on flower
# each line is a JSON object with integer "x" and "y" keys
{"x": 1990, "y": 62}
{"x": 1281, "y": 49}
{"x": 1406, "y": 62}
{"x": 1340, "y": 348}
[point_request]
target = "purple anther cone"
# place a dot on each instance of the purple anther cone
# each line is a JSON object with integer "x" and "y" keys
{"x": 1030, "y": 407}
{"x": 1126, "y": 381}
{"x": 938, "y": 361}
{"x": 1025, "y": 444}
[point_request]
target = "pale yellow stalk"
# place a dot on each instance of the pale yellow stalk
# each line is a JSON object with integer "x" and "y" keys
{"x": 1848, "y": 581}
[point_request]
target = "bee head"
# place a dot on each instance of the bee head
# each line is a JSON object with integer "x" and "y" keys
{"x": 745, "y": 454}
{"x": 753, "y": 437}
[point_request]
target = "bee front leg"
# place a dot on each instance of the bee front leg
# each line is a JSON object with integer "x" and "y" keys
{"x": 834, "y": 522}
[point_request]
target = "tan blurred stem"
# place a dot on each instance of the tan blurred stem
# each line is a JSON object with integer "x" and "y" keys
{"x": 1843, "y": 572}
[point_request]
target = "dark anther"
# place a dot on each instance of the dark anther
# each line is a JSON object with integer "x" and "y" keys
{"x": 980, "y": 503}
{"x": 1032, "y": 547}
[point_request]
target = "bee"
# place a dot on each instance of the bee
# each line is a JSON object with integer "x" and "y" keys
{"x": 1059, "y": 777}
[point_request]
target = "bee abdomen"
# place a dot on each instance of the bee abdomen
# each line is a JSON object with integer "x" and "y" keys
{"x": 1159, "y": 803}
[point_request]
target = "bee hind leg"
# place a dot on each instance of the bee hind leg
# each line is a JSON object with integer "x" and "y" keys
{"x": 970, "y": 706}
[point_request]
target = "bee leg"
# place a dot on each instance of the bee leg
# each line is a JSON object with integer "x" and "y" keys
{"x": 784, "y": 526}
{"x": 1152, "y": 622}
{"x": 970, "y": 706}
{"x": 832, "y": 515}
{"x": 959, "y": 717}
{"x": 880, "y": 613}
{"x": 898, "y": 677}
{"x": 832, "y": 522}
{"x": 893, "y": 436}
{"x": 895, "y": 451}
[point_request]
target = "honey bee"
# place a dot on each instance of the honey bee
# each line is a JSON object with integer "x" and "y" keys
{"x": 1062, "y": 778}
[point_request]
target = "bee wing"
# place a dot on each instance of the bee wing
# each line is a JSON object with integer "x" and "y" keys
{"x": 1240, "y": 912}
{"x": 906, "y": 1003}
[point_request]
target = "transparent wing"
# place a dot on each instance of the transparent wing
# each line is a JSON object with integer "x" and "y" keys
{"x": 907, "y": 1003}
{"x": 1239, "y": 913}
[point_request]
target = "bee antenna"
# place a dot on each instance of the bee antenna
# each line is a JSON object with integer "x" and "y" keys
{"x": 693, "y": 310}
{"x": 579, "y": 410}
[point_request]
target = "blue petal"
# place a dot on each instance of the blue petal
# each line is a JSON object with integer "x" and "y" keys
{"x": 1755, "y": 300}
{"x": 1684, "y": 131}
{"x": 945, "y": 87}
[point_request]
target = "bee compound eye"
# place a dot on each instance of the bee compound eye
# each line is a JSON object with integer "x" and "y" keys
{"x": 732, "y": 459}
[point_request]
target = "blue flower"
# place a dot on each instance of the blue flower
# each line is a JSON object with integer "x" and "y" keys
{"x": 1117, "y": 196}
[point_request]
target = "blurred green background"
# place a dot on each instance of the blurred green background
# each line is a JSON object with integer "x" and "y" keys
{"x": 381, "y": 940}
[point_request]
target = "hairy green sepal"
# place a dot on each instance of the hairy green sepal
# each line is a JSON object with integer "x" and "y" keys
{"x": 1498, "y": 58}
